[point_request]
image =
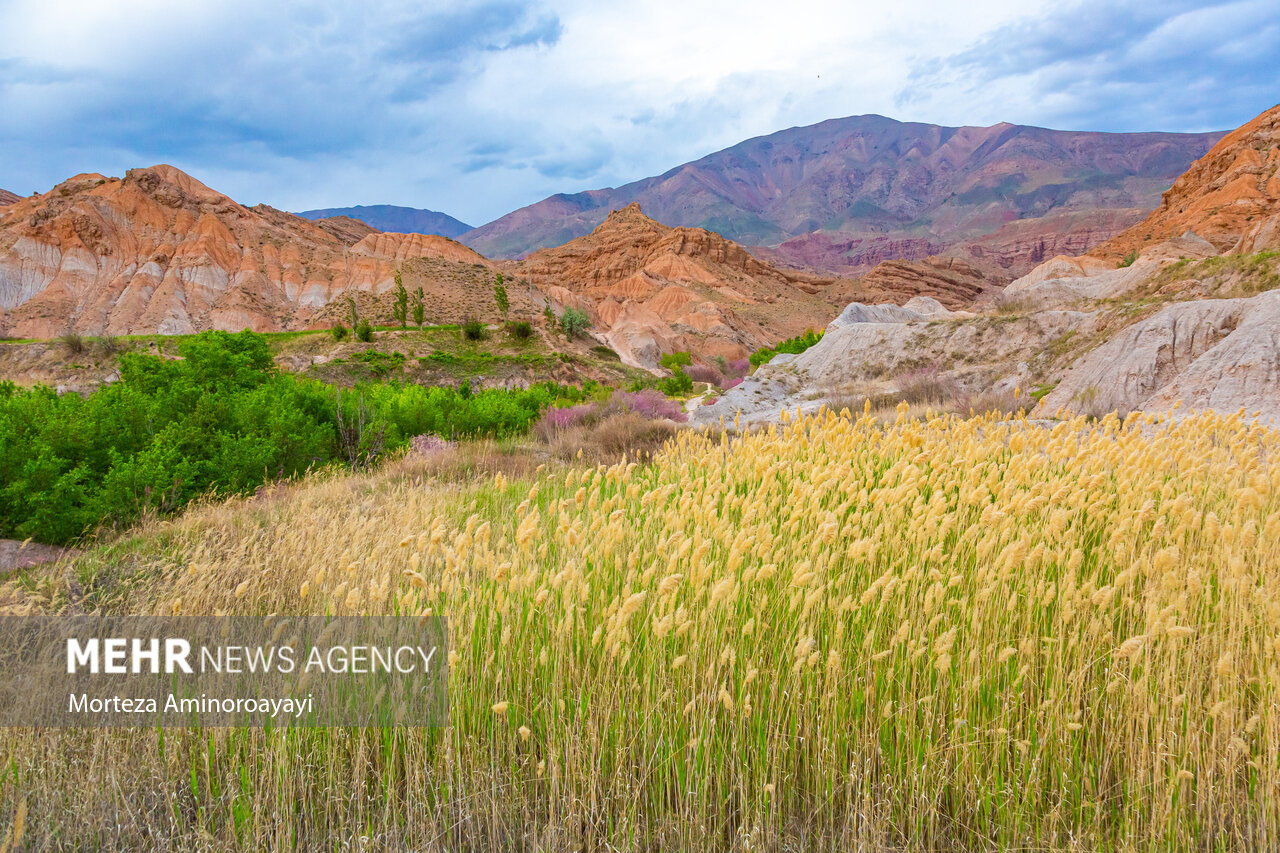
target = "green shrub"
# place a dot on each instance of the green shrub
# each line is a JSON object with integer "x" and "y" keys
{"x": 364, "y": 331}
{"x": 794, "y": 346}
{"x": 221, "y": 420}
{"x": 676, "y": 384}
{"x": 521, "y": 330}
{"x": 339, "y": 332}
{"x": 1127, "y": 260}
{"x": 473, "y": 330}
{"x": 675, "y": 360}
{"x": 574, "y": 321}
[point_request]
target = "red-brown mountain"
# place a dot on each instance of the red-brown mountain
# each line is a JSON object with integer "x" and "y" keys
{"x": 847, "y": 193}
{"x": 7, "y": 197}
{"x": 158, "y": 251}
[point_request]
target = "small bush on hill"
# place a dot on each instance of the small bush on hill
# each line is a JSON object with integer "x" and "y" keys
{"x": 72, "y": 342}
{"x": 794, "y": 346}
{"x": 521, "y": 330}
{"x": 473, "y": 330}
{"x": 574, "y": 321}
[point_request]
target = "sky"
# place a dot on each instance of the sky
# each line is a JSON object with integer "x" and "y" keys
{"x": 478, "y": 108}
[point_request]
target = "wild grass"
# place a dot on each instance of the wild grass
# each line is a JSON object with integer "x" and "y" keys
{"x": 836, "y": 633}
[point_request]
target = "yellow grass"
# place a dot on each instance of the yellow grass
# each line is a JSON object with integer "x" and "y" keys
{"x": 942, "y": 634}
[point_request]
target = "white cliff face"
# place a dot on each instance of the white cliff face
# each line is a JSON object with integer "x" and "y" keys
{"x": 1220, "y": 354}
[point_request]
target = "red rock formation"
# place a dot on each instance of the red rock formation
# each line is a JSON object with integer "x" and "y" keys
{"x": 953, "y": 282}
{"x": 652, "y": 289}
{"x": 1230, "y": 196}
{"x": 158, "y": 251}
{"x": 7, "y": 197}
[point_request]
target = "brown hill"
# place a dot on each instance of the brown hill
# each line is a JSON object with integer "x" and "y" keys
{"x": 158, "y": 251}
{"x": 847, "y": 193}
{"x": 953, "y": 282}
{"x": 650, "y": 289}
{"x": 1230, "y": 196}
{"x": 7, "y": 197}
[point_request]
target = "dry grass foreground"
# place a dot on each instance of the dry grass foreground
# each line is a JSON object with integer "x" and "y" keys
{"x": 942, "y": 634}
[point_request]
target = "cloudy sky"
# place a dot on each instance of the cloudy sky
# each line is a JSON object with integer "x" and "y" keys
{"x": 477, "y": 108}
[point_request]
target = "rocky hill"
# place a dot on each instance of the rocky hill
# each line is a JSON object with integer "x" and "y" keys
{"x": 650, "y": 289}
{"x": 7, "y": 197}
{"x": 848, "y": 193}
{"x": 158, "y": 251}
{"x": 1230, "y": 197}
{"x": 389, "y": 217}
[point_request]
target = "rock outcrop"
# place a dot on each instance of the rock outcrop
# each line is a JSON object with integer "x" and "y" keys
{"x": 651, "y": 289}
{"x": 953, "y": 282}
{"x": 7, "y": 197}
{"x": 158, "y": 251}
{"x": 1221, "y": 354}
{"x": 1230, "y": 196}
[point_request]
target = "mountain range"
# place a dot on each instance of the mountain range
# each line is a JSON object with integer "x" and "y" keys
{"x": 848, "y": 193}
{"x": 389, "y": 217}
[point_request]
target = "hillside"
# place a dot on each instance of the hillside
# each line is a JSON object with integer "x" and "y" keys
{"x": 7, "y": 197}
{"x": 650, "y": 288}
{"x": 389, "y": 217}
{"x": 159, "y": 252}
{"x": 847, "y": 193}
{"x": 1230, "y": 197}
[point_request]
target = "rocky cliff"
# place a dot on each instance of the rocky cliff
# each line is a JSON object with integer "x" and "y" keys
{"x": 1230, "y": 197}
{"x": 158, "y": 251}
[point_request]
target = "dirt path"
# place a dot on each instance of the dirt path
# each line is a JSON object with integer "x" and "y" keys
{"x": 16, "y": 555}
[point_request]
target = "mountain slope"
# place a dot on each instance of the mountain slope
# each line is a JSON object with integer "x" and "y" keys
{"x": 650, "y": 289}
{"x": 389, "y": 217}
{"x": 7, "y": 197}
{"x": 1230, "y": 197}
{"x": 847, "y": 193}
{"x": 158, "y": 251}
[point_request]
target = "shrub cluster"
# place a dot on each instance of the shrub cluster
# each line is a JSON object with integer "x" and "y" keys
{"x": 795, "y": 346}
{"x": 221, "y": 419}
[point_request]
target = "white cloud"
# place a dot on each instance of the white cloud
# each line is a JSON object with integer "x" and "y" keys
{"x": 480, "y": 106}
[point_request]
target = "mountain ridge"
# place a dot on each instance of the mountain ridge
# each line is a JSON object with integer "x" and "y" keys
{"x": 875, "y": 181}
{"x": 391, "y": 217}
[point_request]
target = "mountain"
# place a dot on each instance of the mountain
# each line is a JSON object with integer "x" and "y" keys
{"x": 651, "y": 289}
{"x": 389, "y": 217}
{"x": 847, "y": 193}
{"x": 158, "y": 251}
{"x": 1230, "y": 197}
{"x": 7, "y": 197}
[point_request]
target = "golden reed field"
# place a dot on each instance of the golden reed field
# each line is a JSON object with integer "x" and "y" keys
{"x": 838, "y": 633}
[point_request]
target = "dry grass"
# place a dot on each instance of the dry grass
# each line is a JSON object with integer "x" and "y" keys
{"x": 831, "y": 634}
{"x": 625, "y": 436}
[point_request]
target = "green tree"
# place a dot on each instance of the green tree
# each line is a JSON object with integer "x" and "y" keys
{"x": 574, "y": 321}
{"x": 675, "y": 360}
{"x": 400, "y": 308}
{"x": 500, "y": 296}
{"x": 419, "y": 306}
